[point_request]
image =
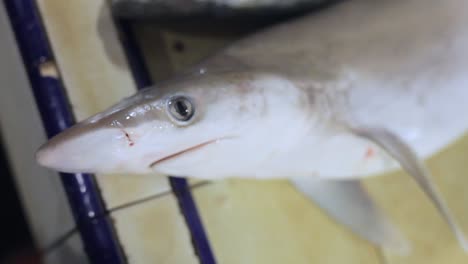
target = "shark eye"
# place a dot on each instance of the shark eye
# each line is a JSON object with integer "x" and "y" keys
{"x": 180, "y": 109}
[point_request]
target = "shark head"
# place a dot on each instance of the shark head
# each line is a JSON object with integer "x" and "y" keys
{"x": 204, "y": 125}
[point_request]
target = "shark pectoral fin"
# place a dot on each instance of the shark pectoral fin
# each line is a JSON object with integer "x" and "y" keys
{"x": 410, "y": 162}
{"x": 349, "y": 204}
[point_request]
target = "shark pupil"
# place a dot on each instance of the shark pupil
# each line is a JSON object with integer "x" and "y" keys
{"x": 181, "y": 108}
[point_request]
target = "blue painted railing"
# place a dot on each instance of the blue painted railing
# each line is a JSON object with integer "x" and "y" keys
{"x": 100, "y": 243}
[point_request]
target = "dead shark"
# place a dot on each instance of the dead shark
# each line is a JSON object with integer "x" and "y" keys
{"x": 362, "y": 88}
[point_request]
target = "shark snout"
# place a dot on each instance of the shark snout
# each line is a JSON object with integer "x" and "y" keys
{"x": 66, "y": 156}
{"x": 87, "y": 151}
{"x": 45, "y": 157}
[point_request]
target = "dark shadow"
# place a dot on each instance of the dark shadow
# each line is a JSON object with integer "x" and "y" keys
{"x": 163, "y": 10}
{"x": 14, "y": 228}
{"x": 215, "y": 22}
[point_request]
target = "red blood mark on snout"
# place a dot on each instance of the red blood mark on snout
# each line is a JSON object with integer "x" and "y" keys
{"x": 130, "y": 141}
{"x": 369, "y": 153}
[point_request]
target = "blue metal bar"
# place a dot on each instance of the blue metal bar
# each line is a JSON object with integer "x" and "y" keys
{"x": 100, "y": 243}
{"x": 180, "y": 187}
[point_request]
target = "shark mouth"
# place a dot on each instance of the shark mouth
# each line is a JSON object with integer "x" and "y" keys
{"x": 188, "y": 150}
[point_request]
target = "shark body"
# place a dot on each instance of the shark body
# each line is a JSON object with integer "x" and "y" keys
{"x": 362, "y": 88}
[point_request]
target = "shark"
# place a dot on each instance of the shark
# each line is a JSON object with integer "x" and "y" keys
{"x": 324, "y": 100}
